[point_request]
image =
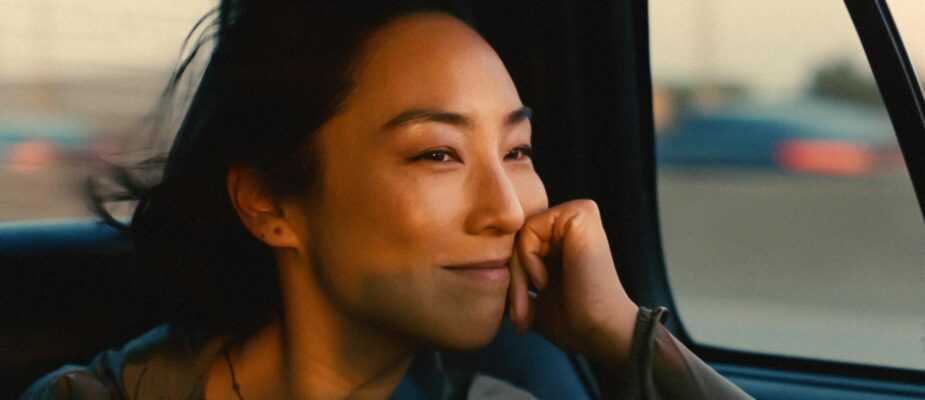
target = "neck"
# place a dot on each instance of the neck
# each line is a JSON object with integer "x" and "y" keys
{"x": 331, "y": 355}
{"x": 314, "y": 351}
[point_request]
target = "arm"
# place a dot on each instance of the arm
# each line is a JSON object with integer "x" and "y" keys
{"x": 581, "y": 306}
{"x": 661, "y": 367}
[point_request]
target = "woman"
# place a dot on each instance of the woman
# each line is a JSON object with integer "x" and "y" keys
{"x": 350, "y": 186}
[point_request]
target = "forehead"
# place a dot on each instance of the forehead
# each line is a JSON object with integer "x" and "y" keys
{"x": 430, "y": 60}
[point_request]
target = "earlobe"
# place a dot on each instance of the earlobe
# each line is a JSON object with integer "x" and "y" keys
{"x": 279, "y": 237}
{"x": 257, "y": 208}
{"x": 280, "y": 234}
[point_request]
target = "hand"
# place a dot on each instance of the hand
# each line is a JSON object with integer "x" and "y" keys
{"x": 581, "y": 305}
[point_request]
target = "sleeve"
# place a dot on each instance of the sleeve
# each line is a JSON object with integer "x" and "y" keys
{"x": 662, "y": 368}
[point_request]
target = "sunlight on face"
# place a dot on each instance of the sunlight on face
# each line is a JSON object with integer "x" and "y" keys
{"x": 426, "y": 166}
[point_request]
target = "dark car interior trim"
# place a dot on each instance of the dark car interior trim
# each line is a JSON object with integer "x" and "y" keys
{"x": 770, "y": 384}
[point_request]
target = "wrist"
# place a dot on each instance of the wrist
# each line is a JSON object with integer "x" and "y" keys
{"x": 612, "y": 343}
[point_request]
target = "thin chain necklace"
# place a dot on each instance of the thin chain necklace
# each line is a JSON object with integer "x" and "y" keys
{"x": 234, "y": 381}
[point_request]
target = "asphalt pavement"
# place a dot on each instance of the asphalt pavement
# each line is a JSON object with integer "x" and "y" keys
{"x": 808, "y": 266}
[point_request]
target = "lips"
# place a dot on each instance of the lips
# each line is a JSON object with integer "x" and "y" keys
{"x": 484, "y": 271}
{"x": 490, "y": 264}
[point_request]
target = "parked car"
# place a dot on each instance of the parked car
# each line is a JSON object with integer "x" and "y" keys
{"x": 809, "y": 136}
{"x": 39, "y": 141}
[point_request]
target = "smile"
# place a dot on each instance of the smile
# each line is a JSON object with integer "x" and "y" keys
{"x": 487, "y": 271}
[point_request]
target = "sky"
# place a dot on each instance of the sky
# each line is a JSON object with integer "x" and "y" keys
{"x": 770, "y": 46}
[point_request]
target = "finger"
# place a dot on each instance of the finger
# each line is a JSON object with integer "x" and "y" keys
{"x": 531, "y": 247}
{"x": 530, "y": 302}
{"x": 534, "y": 267}
{"x": 530, "y": 318}
{"x": 518, "y": 297}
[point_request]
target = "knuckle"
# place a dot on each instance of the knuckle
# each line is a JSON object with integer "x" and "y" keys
{"x": 589, "y": 206}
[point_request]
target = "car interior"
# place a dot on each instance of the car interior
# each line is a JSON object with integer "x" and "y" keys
{"x": 69, "y": 288}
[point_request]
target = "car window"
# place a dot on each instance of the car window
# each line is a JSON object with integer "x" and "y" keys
{"x": 789, "y": 221}
{"x": 77, "y": 80}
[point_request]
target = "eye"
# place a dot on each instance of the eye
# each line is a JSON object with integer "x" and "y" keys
{"x": 520, "y": 153}
{"x": 438, "y": 155}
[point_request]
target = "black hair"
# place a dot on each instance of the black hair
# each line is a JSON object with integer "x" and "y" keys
{"x": 277, "y": 71}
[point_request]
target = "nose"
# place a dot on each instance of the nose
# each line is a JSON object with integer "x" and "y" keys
{"x": 496, "y": 207}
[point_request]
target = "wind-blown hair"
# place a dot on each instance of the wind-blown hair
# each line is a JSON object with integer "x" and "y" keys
{"x": 277, "y": 71}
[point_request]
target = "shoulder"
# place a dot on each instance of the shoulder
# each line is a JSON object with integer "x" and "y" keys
{"x": 73, "y": 382}
{"x": 116, "y": 374}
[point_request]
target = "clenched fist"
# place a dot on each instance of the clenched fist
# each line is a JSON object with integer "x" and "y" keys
{"x": 581, "y": 305}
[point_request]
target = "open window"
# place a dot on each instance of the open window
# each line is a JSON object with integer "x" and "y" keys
{"x": 788, "y": 143}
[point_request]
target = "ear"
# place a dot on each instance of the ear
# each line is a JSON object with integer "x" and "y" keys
{"x": 259, "y": 211}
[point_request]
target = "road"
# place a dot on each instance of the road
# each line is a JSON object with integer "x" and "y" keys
{"x": 815, "y": 267}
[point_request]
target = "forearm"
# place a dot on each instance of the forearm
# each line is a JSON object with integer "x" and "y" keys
{"x": 658, "y": 366}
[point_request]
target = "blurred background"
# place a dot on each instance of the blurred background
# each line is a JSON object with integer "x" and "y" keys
{"x": 789, "y": 222}
{"x": 788, "y": 218}
{"x": 77, "y": 80}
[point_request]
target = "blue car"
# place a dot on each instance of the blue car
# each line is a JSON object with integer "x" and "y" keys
{"x": 29, "y": 143}
{"x": 806, "y": 136}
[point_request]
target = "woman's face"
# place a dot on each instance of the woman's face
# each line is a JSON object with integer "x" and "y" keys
{"x": 424, "y": 168}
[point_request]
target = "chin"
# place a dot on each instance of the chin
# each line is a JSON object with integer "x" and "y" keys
{"x": 470, "y": 332}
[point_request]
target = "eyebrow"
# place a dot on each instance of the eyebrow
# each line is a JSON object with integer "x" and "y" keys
{"x": 421, "y": 115}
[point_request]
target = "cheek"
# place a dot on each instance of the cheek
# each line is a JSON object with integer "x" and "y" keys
{"x": 375, "y": 242}
{"x": 424, "y": 214}
{"x": 390, "y": 234}
{"x": 402, "y": 220}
